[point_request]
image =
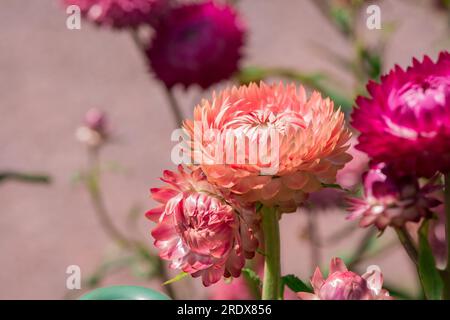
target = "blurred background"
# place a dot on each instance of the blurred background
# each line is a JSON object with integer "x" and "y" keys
{"x": 51, "y": 76}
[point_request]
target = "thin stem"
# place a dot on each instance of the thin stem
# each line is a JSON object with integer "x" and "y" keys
{"x": 93, "y": 186}
{"x": 272, "y": 268}
{"x": 361, "y": 249}
{"x": 176, "y": 111}
{"x": 98, "y": 202}
{"x": 162, "y": 271}
{"x": 314, "y": 240}
{"x": 408, "y": 244}
{"x": 446, "y": 291}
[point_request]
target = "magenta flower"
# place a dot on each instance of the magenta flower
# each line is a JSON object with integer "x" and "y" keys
{"x": 119, "y": 13}
{"x": 196, "y": 44}
{"x": 391, "y": 200}
{"x": 342, "y": 284}
{"x": 406, "y": 121}
{"x": 198, "y": 230}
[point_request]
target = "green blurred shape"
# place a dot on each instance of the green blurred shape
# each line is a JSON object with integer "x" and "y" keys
{"x": 24, "y": 177}
{"x": 124, "y": 293}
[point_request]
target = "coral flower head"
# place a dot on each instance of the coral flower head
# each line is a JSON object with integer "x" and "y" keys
{"x": 119, "y": 13}
{"x": 200, "y": 232}
{"x": 406, "y": 121}
{"x": 196, "y": 43}
{"x": 269, "y": 143}
{"x": 342, "y": 284}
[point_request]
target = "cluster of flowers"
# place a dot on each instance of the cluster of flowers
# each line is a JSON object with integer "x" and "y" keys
{"x": 207, "y": 223}
{"x": 196, "y": 43}
{"x": 405, "y": 130}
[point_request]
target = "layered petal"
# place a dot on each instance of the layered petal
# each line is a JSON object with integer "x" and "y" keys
{"x": 342, "y": 284}
{"x": 406, "y": 120}
{"x": 268, "y": 143}
{"x": 201, "y": 230}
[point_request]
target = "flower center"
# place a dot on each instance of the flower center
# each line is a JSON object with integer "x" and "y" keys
{"x": 427, "y": 94}
{"x": 263, "y": 120}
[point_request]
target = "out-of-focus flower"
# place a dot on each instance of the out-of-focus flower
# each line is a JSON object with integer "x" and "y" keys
{"x": 94, "y": 131}
{"x": 197, "y": 43}
{"x": 406, "y": 122}
{"x": 120, "y": 13}
{"x": 443, "y": 5}
{"x": 269, "y": 143}
{"x": 437, "y": 237}
{"x": 198, "y": 230}
{"x": 342, "y": 284}
{"x": 392, "y": 200}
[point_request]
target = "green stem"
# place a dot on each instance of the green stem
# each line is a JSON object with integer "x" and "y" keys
{"x": 272, "y": 269}
{"x": 446, "y": 292}
{"x": 408, "y": 244}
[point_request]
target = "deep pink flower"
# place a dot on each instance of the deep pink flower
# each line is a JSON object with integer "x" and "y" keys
{"x": 119, "y": 13}
{"x": 196, "y": 44}
{"x": 391, "y": 200}
{"x": 198, "y": 230}
{"x": 406, "y": 121}
{"x": 342, "y": 284}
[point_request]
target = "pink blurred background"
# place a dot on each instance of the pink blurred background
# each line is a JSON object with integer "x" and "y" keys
{"x": 50, "y": 76}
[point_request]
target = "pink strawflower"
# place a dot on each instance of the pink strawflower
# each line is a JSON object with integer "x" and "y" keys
{"x": 197, "y": 43}
{"x": 391, "y": 200}
{"x": 406, "y": 121}
{"x": 119, "y": 13}
{"x": 285, "y": 145}
{"x": 198, "y": 230}
{"x": 342, "y": 284}
{"x": 94, "y": 132}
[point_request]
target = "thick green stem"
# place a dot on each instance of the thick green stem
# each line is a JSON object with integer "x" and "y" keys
{"x": 446, "y": 292}
{"x": 272, "y": 269}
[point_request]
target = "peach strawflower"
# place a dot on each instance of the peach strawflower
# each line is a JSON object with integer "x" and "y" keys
{"x": 285, "y": 145}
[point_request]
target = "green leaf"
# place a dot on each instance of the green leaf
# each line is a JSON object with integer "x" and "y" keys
{"x": 251, "y": 74}
{"x": 253, "y": 281}
{"x": 429, "y": 275}
{"x": 178, "y": 277}
{"x": 24, "y": 177}
{"x": 342, "y": 18}
{"x": 295, "y": 284}
{"x": 252, "y": 276}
